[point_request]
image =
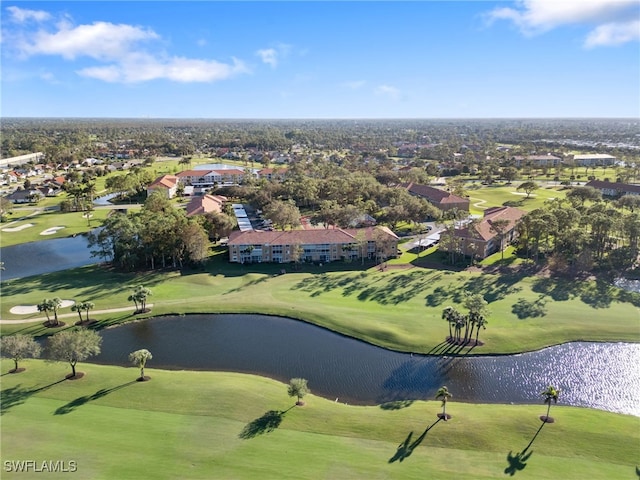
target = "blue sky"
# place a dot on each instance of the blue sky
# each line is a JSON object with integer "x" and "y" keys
{"x": 384, "y": 59}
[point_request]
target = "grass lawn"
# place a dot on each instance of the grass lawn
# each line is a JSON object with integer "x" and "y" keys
{"x": 399, "y": 308}
{"x": 73, "y": 222}
{"x": 217, "y": 425}
{"x": 484, "y": 197}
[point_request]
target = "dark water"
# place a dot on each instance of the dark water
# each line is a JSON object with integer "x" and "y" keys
{"x": 46, "y": 256}
{"x": 597, "y": 375}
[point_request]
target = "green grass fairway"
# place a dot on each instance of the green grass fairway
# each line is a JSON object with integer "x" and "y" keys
{"x": 491, "y": 196}
{"x": 398, "y": 308}
{"x": 73, "y": 222}
{"x": 214, "y": 425}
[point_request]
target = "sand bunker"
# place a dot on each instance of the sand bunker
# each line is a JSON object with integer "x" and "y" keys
{"x": 17, "y": 229}
{"x": 29, "y": 309}
{"x": 51, "y": 231}
{"x": 523, "y": 193}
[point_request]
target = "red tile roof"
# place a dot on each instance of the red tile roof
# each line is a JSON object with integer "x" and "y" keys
{"x": 166, "y": 181}
{"x": 205, "y": 204}
{"x": 484, "y": 231}
{"x": 434, "y": 195}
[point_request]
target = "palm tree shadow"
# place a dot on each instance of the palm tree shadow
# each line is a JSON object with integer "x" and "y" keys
{"x": 518, "y": 461}
{"x": 406, "y": 448}
{"x": 17, "y": 395}
{"x": 264, "y": 424}
{"x": 78, "y": 402}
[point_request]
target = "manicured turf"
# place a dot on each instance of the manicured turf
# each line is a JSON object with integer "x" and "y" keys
{"x": 484, "y": 197}
{"x": 398, "y": 308}
{"x": 213, "y": 425}
{"x": 73, "y": 222}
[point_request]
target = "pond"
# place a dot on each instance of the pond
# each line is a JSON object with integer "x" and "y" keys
{"x": 351, "y": 371}
{"x": 46, "y": 256}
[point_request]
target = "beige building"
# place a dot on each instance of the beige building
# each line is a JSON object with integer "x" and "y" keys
{"x": 317, "y": 245}
{"x": 483, "y": 239}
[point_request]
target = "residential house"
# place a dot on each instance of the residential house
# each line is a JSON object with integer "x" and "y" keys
{"x": 483, "y": 239}
{"x": 28, "y": 195}
{"x": 205, "y": 204}
{"x": 440, "y": 198}
{"x": 318, "y": 245}
{"x": 614, "y": 189}
{"x": 167, "y": 184}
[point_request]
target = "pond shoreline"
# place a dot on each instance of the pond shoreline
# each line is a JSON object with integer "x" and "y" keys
{"x": 358, "y": 372}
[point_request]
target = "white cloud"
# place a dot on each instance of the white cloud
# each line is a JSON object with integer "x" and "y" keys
{"x": 615, "y": 33}
{"x": 273, "y": 55}
{"x": 534, "y": 17}
{"x": 142, "y": 68}
{"x": 100, "y": 40}
{"x": 269, "y": 56}
{"x": 387, "y": 90}
{"x": 118, "y": 49}
{"x": 21, "y": 15}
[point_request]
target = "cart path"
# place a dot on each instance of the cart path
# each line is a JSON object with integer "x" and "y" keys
{"x": 68, "y": 315}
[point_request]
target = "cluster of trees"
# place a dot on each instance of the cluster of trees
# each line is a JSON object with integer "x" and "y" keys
{"x": 83, "y": 307}
{"x": 70, "y": 346}
{"x": 50, "y": 305}
{"x": 338, "y": 195}
{"x": 583, "y": 232}
{"x": 139, "y": 298}
{"x": 158, "y": 236}
{"x": 129, "y": 184}
{"x": 462, "y": 326}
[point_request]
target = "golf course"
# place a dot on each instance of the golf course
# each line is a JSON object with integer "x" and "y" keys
{"x": 226, "y": 425}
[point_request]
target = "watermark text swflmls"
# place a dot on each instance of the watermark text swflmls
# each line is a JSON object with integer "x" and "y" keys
{"x": 40, "y": 466}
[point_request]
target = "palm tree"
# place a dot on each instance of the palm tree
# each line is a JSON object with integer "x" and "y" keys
{"x": 447, "y": 314}
{"x": 56, "y": 303}
{"x": 550, "y": 394}
{"x": 444, "y": 395}
{"x": 86, "y": 306}
{"x": 481, "y": 322}
{"x": 78, "y": 307}
{"x": 141, "y": 293}
{"x": 139, "y": 358}
{"x": 45, "y": 306}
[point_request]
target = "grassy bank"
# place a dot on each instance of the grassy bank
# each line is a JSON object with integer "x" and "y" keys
{"x": 398, "y": 308}
{"x": 215, "y": 425}
{"x": 74, "y": 223}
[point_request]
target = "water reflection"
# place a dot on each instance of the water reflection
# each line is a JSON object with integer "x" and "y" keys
{"x": 356, "y": 372}
{"x": 46, "y": 256}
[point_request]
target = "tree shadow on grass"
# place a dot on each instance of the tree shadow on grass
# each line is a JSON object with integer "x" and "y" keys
{"x": 406, "y": 448}
{"x": 78, "y": 402}
{"x": 17, "y": 395}
{"x": 396, "y": 404}
{"x": 518, "y": 461}
{"x": 264, "y": 424}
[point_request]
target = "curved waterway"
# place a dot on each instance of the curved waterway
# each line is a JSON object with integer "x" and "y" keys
{"x": 596, "y": 375}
